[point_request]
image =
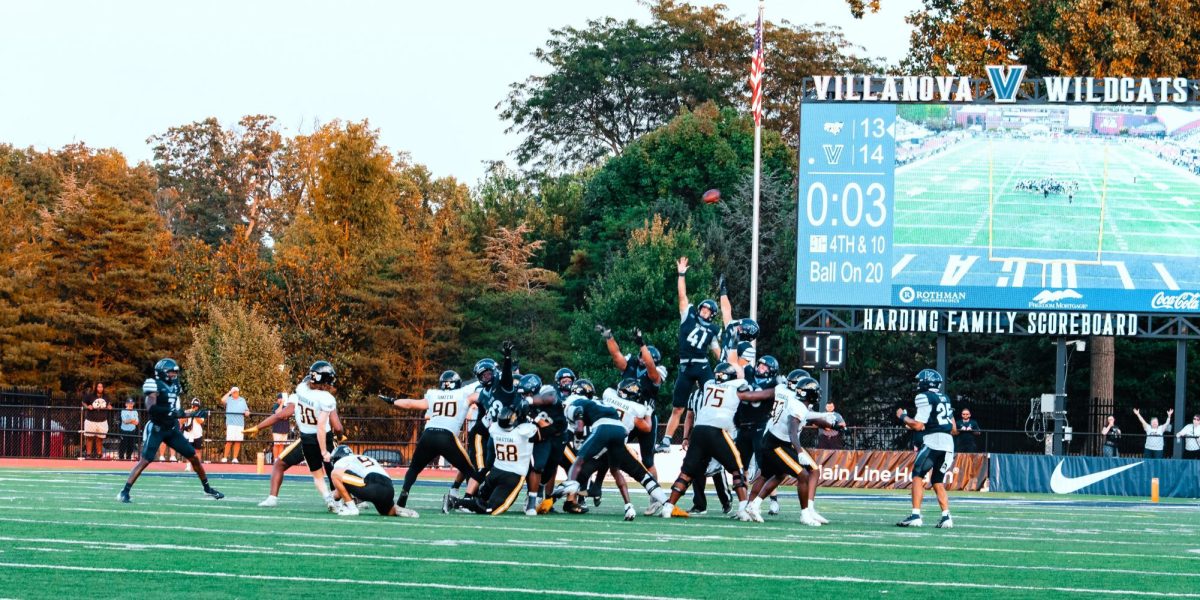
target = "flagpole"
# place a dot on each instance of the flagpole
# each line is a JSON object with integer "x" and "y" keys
{"x": 754, "y": 227}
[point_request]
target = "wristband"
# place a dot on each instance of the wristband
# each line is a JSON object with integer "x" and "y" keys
{"x": 682, "y": 274}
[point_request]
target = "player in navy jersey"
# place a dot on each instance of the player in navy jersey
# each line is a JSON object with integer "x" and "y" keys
{"x": 935, "y": 420}
{"x": 502, "y": 394}
{"x": 751, "y": 419}
{"x": 485, "y": 372}
{"x": 548, "y": 454}
{"x": 162, "y": 402}
{"x": 697, "y": 337}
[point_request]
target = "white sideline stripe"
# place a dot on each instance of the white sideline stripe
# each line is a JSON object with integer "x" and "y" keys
{"x": 400, "y": 542}
{"x": 409, "y": 584}
{"x": 458, "y": 587}
{"x": 653, "y": 536}
{"x": 1166, "y": 276}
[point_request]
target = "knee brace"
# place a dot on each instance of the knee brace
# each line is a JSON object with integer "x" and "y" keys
{"x": 739, "y": 480}
{"x": 681, "y": 484}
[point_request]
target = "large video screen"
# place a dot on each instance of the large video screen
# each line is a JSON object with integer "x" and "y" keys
{"x": 1017, "y": 207}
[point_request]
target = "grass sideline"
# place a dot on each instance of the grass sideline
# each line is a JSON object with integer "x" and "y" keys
{"x": 64, "y": 534}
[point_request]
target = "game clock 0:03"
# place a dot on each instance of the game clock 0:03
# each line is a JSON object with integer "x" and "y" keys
{"x": 823, "y": 350}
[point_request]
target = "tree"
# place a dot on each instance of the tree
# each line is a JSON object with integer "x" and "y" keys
{"x": 509, "y": 256}
{"x": 612, "y": 82}
{"x": 638, "y": 291}
{"x": 1155, "y": 38}
{"x": 116, "y": 307}
{"x": 236, "y": 347}
{"x": 214, "y": 180}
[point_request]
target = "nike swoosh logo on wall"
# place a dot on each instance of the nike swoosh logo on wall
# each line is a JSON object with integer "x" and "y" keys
{"x": 1061, "y": 484}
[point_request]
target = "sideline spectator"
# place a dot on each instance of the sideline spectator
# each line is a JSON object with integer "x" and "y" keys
{"x": 968, "y": 431}
{"x": 832, "y": 438}
{"x": 1112, "y": 437}
{"x": 95, "y": 422}
{"x": 1154, "y": 433}
{"x": 1190, "y": 434}
{"x": 281, "y": 428}
{"x": 236, "y": 411}
{"x": 192, "y": 425}
{"x": 129, "y": 435}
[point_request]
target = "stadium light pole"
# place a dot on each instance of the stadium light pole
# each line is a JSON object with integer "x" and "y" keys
{"x": 1060, "y": 393}
{"x": 1180, "y": 394}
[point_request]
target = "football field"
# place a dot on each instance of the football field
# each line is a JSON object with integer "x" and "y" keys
{"x": 64, "y": 535}
{"x": 1133, "y": 217}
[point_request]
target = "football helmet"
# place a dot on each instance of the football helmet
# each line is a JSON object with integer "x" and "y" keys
{"x": 629, "y": 389}
{"x": 485, "y": 366}
{"x": 725, "y": 372}
{"x": 529, "y": 385}
{"x": 712, "y": 307}
{"x": 654, "y": 354}
{"x": 808, "y": 389}
{"x": 749, "y": 330}
{"x": 794, "y": 378}
{"x": 322, "y": 372}
{"x": 507, "y": 418}
{"x": 166, "y": 369}
{"x": 450, "y": 380}
{"x": 339, "y": 453}
{"x": 561, "y": 374}
{"x": 766, "y": 367}
{"x": 929, "y": 379}
{"x": 584, "y": 388}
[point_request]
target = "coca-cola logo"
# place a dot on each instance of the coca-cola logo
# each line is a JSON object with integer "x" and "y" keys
{"x": 1184, "y": 301}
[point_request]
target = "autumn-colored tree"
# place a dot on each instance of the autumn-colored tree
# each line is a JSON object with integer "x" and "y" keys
{"x": 236, "y": 347}
{"x": 509, "y": 255}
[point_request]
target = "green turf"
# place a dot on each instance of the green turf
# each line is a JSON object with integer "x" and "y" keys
{"x": 1149, "y": 206}
{"x": 172, "y": 542}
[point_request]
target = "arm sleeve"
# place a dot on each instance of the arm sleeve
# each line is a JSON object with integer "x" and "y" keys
{"x": 923, "y": 408}
{"x": 506, "y": 377}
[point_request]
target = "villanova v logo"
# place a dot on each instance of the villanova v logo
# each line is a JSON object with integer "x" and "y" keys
{"x": 833, "y": 153}
{"x": 1005, "y": 86}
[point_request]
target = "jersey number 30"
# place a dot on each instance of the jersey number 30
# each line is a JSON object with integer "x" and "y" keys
{"x": 308, "y": 416}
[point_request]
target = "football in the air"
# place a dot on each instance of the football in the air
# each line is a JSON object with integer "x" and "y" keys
{"x": 712, "y": 196}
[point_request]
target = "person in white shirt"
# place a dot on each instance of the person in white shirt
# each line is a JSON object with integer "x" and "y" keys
{"x": 1154, "y": 433}
{"x": 358, "y": 478}
{"x": 315, "y": 410}
{"x": 1190, "y": 434}
{"x": 236, "y": 411}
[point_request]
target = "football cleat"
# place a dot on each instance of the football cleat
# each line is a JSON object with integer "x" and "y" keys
{"x": 447, "y": 504}
{"x": 806, "y": 519}
{"x": 911, "y": 521}
{"x": 123, "y": 496}
{"x": 654, "y": 508}
{"x": 945, "y": 523}
{"x": 574, "y": 508}
{"x": 677, "y": 512}
{"x": 545, "y": 506}
{"x": 744, "y": 516}
{"x": 270, "y": 502}
{"x": 694, "y": 512}
{"x": 812, "y": 512}
{"x": 630, "y": 513}
{"x": 754, "y": 514}
{"x": 407, "y": 513}
{"x": 348, "y": 509}
{"x": 773, "y": 508}
{"x": 663, "y": 446}
{"x": 212, "y": 492}
{"x": 726, "y": 507}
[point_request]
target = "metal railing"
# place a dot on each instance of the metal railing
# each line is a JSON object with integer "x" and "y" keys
{"x": 58, "y": 432}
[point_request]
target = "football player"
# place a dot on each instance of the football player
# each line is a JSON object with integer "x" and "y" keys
{"x": 781, "y": 454}
{"x": 314, "y": 408}
{"x": 549, "y": 453}
{"x": 609, "y": 429}
{"x": 697, "y": 336}
{"x": 751, "y": 417}
{"x": 477, "y": 440}
{"x": 709, "y": 438}
{"x": 358, "y": 478}
{"x": 935, "y": 419}
{"x": 162, "y": 397}
{"x": 512, "y": 444}
{"x": 501, "y": 394}
{"x": 445, "y": 410}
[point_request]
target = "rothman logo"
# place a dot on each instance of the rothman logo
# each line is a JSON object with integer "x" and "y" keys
{"x": 1061, "y": 484}
{"x": 908, "y": 295}
{"x": 1053, "y": 296}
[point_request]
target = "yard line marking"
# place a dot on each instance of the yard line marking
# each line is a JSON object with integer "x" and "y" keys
{"x": 1166, "y": 276}
{"x": 457, "y": 587}
{"x": 653, "y": 536}
{"x": 409, "y": 584}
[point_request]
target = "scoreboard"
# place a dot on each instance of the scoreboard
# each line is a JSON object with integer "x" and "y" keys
{"x": 847, "y": 173}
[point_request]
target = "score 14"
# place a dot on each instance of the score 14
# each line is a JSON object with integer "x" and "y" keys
{"x": 871, "y": 128}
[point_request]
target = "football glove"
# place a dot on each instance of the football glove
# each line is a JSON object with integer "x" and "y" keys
{"x": 507, "y": 348}
{"x": 638, "y": 339}
{"x": 387, "y": 400}
{"x": 250, "y": 430}
{"x": 721, "y": 289}
{"x": 604, "y": 332}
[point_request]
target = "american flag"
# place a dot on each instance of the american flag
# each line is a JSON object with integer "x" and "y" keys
{"x": 757, "y": 67}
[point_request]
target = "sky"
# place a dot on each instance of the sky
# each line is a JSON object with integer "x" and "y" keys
{"x": 427, "y": 75}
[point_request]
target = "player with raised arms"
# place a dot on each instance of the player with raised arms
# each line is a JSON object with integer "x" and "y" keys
{"x": 935, "y": 419}
{"x": 697, "y": 337}
{"x": 162, "y": 400}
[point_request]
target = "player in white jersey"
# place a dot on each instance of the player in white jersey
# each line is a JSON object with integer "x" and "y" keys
{"x": 781, "y": 454}
{"x": 315, "y": 410}
{"x": 709, "y": 438}
{"x": 513, "y": 447}
{"x": 445, "y": 411}
{"x": 358, "y": 478}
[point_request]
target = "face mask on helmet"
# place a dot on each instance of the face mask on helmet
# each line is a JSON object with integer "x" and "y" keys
{"x": 707, "y": 315}
{"x": 584, "y": 388}
{"x": 450, "y": 380}
{"x": 725, "y": 372}
{"x": 629, "y": 389}
{"x": 529, "y": 385}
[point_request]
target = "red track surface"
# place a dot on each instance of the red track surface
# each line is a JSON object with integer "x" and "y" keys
{"x": 59, "y": 464}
